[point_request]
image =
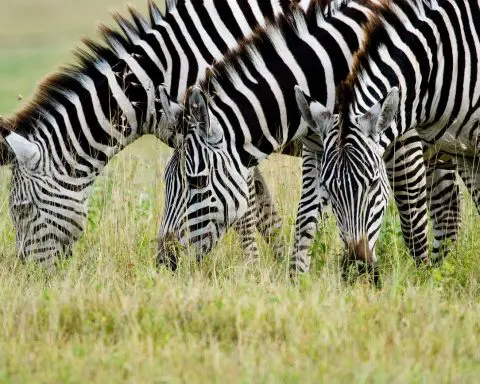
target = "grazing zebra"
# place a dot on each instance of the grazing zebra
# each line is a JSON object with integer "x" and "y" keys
{"x": 417, "y": 71}
{"x": 83, "y": 115}
{"x": 245, "y": 108}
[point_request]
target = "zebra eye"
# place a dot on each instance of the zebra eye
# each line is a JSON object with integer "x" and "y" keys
{"x": 198, "y": 182}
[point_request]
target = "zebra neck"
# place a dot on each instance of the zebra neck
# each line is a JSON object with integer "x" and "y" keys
{"x": 405, "y": 51}
{"x": 252, "y": 89}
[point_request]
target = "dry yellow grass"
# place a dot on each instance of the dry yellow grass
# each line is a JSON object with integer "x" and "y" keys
{"x": 109, "y": 316}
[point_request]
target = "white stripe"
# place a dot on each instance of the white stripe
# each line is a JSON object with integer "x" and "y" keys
{"x": 150, "y": 52}
{"x": 476, "y": 37}
{"x": 452, "y": 95}
{"x": 168, "y": 69}
{"x": 65, "y": 152}
{"x": 204, "y": 36}
{"x": 326, "y": 65}
{"x": 223, "y": 31}
{"x": 75, "y": 100}
{"x": 340, "y": 40}
{"x": 104, "y": 123}
{"x": 287, "y": 57}
{"x": 257, "y": 12}
{"x": 184, "y": 63}
{"x": 248, "y": 139}
{"x": 240, "y": 18}
{"x": 277, "y": 9}
{"x": 353, "y": 24}
{"x": 73, "y": 138}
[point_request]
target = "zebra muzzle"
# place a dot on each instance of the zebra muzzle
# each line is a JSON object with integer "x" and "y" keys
{"x": 358, "y": 252}
{"x": 359, "y": 255}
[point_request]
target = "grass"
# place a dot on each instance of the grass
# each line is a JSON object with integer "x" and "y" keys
{"x": 109, "y": 316}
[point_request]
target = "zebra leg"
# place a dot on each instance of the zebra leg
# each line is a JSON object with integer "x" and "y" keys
{"x": 443, "y": 198}
{"x": 269, "y": 223}
{"x": 469, "y": 172}
{"x": 246, "y": 226}
{"x": 309, "y": 211}
{"x": 407, "y": 175}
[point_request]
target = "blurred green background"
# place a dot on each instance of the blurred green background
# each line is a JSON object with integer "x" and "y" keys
{"x": 109, "y": 316}
{"x": 36, "y": 36}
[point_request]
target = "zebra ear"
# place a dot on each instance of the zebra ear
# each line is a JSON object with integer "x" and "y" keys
{"x": 171, "y": 109}
{"x": 197, "y": 103}
{"x": 173, "y": 112}
{"x": 26, "y": 152}
{"x": 374, "y": 122}
{"x": 200, "y": 115}
{"x": 317, "y": 117}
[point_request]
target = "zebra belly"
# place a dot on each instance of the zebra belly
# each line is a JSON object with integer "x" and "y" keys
{"x": 462, "y": 141}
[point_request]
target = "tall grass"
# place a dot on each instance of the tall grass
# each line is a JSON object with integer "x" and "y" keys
{"x": 108, "y": 315}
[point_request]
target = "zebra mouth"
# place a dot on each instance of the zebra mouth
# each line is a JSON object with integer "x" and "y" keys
{"x": 204, "y": 242}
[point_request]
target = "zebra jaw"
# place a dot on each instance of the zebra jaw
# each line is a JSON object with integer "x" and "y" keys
{"x": 26, "y": 152}
{"x": 375, "y": 121}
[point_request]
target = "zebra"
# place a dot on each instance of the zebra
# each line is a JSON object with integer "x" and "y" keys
{"x": 83, "y": 115}
{"x": 50, "y": 222}
{"x": 418, "y": 71}
{"x": 245, "y": 108}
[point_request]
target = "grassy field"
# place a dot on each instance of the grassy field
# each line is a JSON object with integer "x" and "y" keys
{"x": 109, "y": 316}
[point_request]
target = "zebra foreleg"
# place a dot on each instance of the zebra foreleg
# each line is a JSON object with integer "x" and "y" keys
{"x": 469, "y": 172}
{"x": 309, "y": 212}
{"x": 246, "y": 226}
{"x": 443, "y": 198}
{"x": 407, "y": 175}
{"x": 269, "y": 223}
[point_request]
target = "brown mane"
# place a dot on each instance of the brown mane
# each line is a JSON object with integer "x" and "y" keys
{"x": 373, "y": 30}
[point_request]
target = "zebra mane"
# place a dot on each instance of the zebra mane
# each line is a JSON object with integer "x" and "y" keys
{"x": 5, "y": 153}
{"x": 375, "y": 36}
{"x": 111, "y": 46}
{"x": 298, "y": 20}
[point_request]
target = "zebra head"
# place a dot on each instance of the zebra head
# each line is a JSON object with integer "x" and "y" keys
{"x": 205, "y": 190}
{"x": 353, "y": 170}
{"x": 48, "y": 218}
